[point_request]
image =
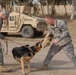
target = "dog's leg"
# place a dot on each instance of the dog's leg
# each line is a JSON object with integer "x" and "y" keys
{"x": 22, "y": 65}
{"x": 28, "y": 63}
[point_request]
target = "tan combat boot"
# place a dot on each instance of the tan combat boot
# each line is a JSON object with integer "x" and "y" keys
{"x": 43, "y": 67}
{"x": 4, "y": 69}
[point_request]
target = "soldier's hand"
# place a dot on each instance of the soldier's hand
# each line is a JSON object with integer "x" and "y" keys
{"x": 55, "y": 41}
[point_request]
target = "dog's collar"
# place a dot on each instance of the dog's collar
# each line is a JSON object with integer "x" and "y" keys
{"x": 31, "y": 50}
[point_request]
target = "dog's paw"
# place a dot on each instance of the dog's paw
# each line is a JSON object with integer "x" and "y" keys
{"x": 23, "y": 72}
{"x": 33, "y": 69}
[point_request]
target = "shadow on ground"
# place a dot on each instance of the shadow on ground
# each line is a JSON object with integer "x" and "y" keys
{"x": 54, "y": 65}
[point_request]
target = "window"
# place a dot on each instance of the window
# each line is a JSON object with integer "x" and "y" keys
{"x": 11, "y": 18}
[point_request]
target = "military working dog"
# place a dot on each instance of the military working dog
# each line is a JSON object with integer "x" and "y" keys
{"x": 25, "y": 54}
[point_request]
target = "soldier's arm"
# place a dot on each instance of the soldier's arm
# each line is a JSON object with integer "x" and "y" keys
{"x": 64, "y": 30}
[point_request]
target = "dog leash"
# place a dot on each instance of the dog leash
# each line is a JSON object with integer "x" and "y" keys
{"x": 16, "y": 43}
{"x": 5, "y": 51}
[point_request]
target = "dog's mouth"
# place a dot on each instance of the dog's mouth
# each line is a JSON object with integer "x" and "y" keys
{"x": 39, "y": 44}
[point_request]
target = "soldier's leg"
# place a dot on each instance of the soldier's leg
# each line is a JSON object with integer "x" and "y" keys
{"x": 69, "y": 50}
{"x": 2, "y": 67}
{"x": 52, "y": 51}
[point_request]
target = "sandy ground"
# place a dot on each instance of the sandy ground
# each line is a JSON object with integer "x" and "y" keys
{"x": 60, "y": 64}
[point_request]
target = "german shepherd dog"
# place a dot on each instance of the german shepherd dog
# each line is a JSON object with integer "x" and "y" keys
{"x": 25, "y": 54}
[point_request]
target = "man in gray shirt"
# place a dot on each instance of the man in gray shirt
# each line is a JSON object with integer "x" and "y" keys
{"x": 61, "y": 40}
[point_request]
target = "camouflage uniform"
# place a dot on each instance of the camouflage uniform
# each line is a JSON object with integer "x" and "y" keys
{"x": 1, "y": 54}
{"x": 60, "y": 32}
{"x": 1, "y": 36}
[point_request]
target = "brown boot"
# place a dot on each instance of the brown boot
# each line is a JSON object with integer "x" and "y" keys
{"x": 43, "y": 67}
{"x": 4, "y": 69}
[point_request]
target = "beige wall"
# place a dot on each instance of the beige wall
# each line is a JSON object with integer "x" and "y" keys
{"x": 59, "y": 10}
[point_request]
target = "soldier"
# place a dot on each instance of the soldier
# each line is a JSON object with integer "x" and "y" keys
{"x": 3, "y": 16}
{"x": 61, "y": 40}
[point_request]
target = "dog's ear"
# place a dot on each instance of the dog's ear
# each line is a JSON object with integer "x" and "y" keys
{"x": 27, "y": 45}
{"x": 37, "y": 44}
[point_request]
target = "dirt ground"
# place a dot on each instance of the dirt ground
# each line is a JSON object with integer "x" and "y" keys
{"x": 60, "y": 64}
